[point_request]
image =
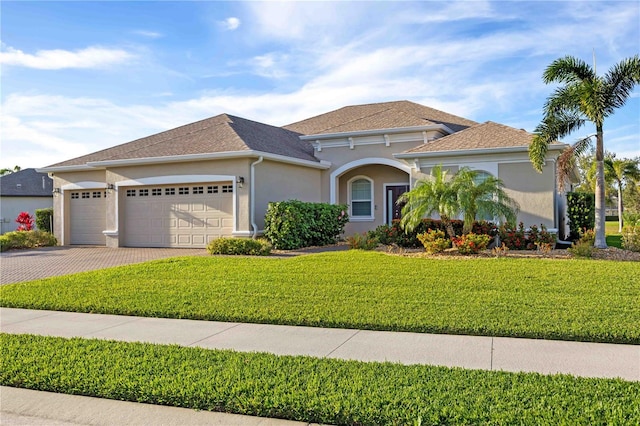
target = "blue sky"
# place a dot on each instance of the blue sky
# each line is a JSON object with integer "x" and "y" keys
{"x": 77, "y": 77}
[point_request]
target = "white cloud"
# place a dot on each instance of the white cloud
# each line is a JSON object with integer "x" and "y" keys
{"x": 90, "y": 57}
{"x": 149, "y": 34}
{"x": 231, "y": 23}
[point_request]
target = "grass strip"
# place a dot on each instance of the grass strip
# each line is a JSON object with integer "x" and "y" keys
{"x": 584, "y": 300}
{"x": 310, "y": 389}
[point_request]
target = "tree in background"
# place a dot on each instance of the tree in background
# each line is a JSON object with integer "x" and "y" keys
{"x": 7, "y": 171}
{"x": 583, "y": 97}
{"x": 621, "y": 172}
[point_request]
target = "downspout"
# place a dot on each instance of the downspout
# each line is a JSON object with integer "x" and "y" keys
{"x": 252, "y": 202}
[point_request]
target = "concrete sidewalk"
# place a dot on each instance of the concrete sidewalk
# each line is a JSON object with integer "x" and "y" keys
{"x": 475, "y": 352}
{"x": 34, "y": 408}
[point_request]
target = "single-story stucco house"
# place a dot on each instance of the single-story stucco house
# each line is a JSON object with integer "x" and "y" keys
{"x": 23, "y": 191}
{"x": 186, "y": 186}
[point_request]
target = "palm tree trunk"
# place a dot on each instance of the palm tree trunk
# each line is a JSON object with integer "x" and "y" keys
{"x": 620, "y": 208}
{"x": 601, "y": 241}
{"x": 448, "y": 226}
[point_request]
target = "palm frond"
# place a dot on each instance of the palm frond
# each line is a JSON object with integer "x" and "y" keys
{"x": 568, "y": 69}
{"x": 620, "y": 81}
{"x": 567, "y": 160}
{"x": 552, "y": 128}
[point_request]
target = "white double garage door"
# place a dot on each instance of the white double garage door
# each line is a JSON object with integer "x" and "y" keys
{"x": 156, "y": 216}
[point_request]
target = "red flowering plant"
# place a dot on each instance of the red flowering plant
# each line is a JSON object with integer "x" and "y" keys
{"x": 26, "y": 221}
{"x": 471, "y": 243}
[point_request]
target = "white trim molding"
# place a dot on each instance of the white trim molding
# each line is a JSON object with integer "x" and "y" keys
{"x": 371, "y": 217}
{"x": 361, "y": 162}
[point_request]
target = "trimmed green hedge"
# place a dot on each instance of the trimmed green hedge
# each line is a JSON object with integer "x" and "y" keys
{"x": 239, "y": 246}
{"x": 44, "y": 219}
{"x": 310, "y": 389}
{"x": 26, "y": 239}
{"x": 294, "y": 224}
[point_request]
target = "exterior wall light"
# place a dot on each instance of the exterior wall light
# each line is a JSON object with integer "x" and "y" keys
{"x": 240, "y": 181}
{"x": 111, "y": 187}
{"x": 56, "y": 191}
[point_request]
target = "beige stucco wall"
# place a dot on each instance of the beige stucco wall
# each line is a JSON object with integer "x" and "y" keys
{"x": 380, "y": 175}
{"x": 535, "y": 192}
{"x": 280, "y": 181}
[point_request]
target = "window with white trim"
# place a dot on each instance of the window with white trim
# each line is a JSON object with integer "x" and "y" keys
{"x": 361, "y": 198}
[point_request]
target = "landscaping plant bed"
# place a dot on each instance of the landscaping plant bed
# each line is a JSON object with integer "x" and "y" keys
{"x": 310, "y": 389}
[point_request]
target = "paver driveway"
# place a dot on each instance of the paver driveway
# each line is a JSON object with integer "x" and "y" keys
{"x": 26, "y": 265}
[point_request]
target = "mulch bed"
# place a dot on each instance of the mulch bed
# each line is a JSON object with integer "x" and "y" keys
{"x": 610, "y": 253}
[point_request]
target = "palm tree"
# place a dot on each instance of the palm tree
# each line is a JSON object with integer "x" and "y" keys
{"x": 467, "y": 193}
{"x": 483, "y": 196}
{"x": 428, "y": 196}
{"x": 621, "y": 171}
{"x": 584, "y": 97}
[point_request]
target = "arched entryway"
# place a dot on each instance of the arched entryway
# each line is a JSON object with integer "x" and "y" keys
{"x": 370, "y": 188}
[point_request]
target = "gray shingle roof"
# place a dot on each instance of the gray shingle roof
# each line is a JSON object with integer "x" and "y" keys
{"x": 385, "y": 115}
{"x": 480, "y": 136}
{"x": 26, "y": 183}
{"x": 222, "y": 133}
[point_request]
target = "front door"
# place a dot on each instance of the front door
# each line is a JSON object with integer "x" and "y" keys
{"x": 393, "y": 193}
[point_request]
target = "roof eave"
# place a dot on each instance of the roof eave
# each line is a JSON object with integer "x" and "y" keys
{"x": 320, "y": 136}
{"x": 76, "y": 168}
{"x": 208, "y": 156}
{"x": 497, "y": 150}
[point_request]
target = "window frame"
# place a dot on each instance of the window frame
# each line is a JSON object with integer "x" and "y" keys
{"x": 361, "y": 218}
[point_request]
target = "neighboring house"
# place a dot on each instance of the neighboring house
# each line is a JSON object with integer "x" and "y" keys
{"x": 23, "y": 191}
{"x": 215, "y": 177}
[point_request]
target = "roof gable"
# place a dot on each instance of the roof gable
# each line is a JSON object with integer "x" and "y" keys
{"x": 481, "y": 136}
{"x": 385, "y": 115}
{"x": 222, "y": 133}
{"x": 26, "y": 183}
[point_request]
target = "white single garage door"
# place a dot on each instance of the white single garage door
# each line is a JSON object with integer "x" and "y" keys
{"x": 88, "y": 217}
{"x": 177, "y": 215}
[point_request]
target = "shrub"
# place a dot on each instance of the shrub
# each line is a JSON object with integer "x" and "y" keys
{"x": 294, "y": 224}
{"x": 500, "y": 251}
{"x": 471, "y": 243}
{"x": 44, "y": 219}
{"x": 25, "y": 220}
{"x": 631, "y": 218}
{"x": 239, "y": 246}
{"x": 394, "y": 234}
{"x": 581, "y": 211}
{"x": 434, "y": 241}
{"x": 631, "y": 237}
{"x": 517, "y": 238}
{"x": 362, "y": 241}
{"x": 584, "y": 246}
{"x": 26, "y": 239}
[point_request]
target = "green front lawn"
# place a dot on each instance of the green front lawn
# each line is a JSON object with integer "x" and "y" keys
{"x": 584, "y": 300}
{"x": 614, "y": 238}
{"x": 311, "y": 389}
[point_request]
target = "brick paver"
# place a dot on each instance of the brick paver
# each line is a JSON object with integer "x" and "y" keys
{"x": 26, "y": 265}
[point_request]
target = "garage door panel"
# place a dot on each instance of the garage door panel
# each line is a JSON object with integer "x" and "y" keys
{"x": 87, "y": 217}
{"x": 178, "y": 216}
